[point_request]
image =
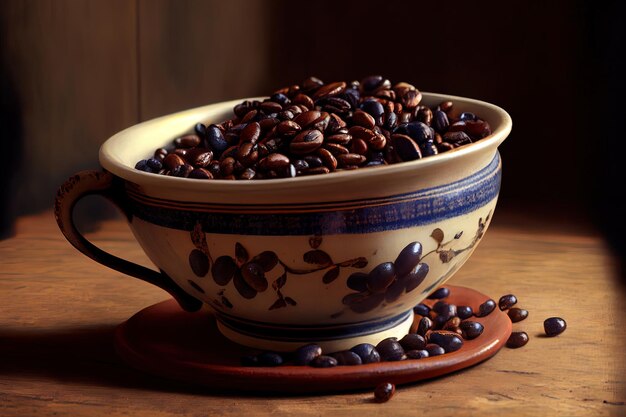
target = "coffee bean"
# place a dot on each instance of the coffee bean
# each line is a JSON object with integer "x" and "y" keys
{"x": 421, "y": 309}
{"x": 347, "y": 358}
{"x": 323, "y": 361}
{"x": 274, "y": 161}
{"x": 471, "y": 329}
{"x": 425, "y": 324}
{"x": 384, "y": 392}
{"x": 329, "y": 90}
{"x": 464, "y": 312}
{"x": 375, "y": 123}
{"x": 188, "y": 141}
{"x": 440, "y": 293}
{"x": 305, "y": 354}
{"x": 417, "y": 354}
{"x": 450, "y": 342}
{"x": 434, "y": 349}
{"x": 486, "y": 308}
{"x": 554, "y": 326}
{"x": 363, "y": 119}
{"x": 517, "y": 314}
{"x": 306, "y": 142}
{"x": 413, "y": 341}
{"x": 507, "y": 301}
{"x": 517, "y": 340}
{"x": 366, "y": 352}
{"x": 269, "y": 359}
{"x": 390, "y": 350}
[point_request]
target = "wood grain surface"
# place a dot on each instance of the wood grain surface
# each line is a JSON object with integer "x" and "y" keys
{"x": 58, "y": 312}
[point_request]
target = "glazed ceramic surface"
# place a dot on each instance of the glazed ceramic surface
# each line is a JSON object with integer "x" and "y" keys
{"x": 334, "y": 259}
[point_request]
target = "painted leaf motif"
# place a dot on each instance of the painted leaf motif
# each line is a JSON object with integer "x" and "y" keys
{"x": 199, "y": 262}
{"x": 241, "y": 254}
{"x": 267, "y": 259}
{"x": 315, "y": 242}
{"x": 290, "y": 301}
{"x": 437, "y": 234}
{"x": 279, "y": 282}
{"x": 447, "y": 255}
{"x": 317, "y": 257}
{"x": 226, "y": 303}
{"x": 458, "y": 235}
{"x": 280, "y": 303}
{"x": 198, "y": 237}
{"x": 331, "y": 275}
{"x": 359, "y": 263}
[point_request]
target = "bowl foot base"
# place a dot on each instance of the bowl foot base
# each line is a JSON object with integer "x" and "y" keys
{"x": 398, "y": 328}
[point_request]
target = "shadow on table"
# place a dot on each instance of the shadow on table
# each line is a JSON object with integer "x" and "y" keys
{"x": 86, "y": 356}
{"x": 81, "y": 355}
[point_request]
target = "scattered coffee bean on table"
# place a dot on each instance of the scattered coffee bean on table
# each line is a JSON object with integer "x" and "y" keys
{"x": 554, "y": 326}
{"x": 517, "y": 314}
{"x": 384, "y": 392}
{"x": 517, "y": 340}
{"x": 315, "y": 128}
{"x": 507, "y": 301}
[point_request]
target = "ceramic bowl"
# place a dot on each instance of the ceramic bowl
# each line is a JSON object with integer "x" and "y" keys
{"x": 335, "y": 259}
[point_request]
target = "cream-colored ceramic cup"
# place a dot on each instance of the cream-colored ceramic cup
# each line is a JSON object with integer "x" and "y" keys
{"x": 335, "y": 259}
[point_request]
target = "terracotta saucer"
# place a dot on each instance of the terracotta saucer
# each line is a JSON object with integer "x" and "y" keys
{"x": 166, "y": 341}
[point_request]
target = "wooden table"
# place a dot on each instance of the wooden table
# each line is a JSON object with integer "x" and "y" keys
{"x": 58, "y": 311}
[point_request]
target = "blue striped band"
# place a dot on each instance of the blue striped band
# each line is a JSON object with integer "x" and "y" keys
{"x": 423, "y": 207}
{"x": 297, "y": 333}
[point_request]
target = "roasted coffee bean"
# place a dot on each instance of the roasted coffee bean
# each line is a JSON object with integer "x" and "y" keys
{"x": 347, "y": 358}
{"x": 367, "y": 353}
{"x": 350, "y": 159}
{"x": 188, "y": 141}
{"x": 425, "y": 324}
{"x": 172, "y": 161}
{"x": 250, "y": 360}
{"x": 300, "y": 164}
{"x": 465, "y": 116}
{"x": 457, "y": 138}
{"x": 274, "y": 161}
{"x": 358, "y": 146}
{"x": 390, "y": 350}
{"x": 517, "y": 340}
{"x": 323, "y": 361}
{"x": 554, "y": 326}
{"x": 328, "y": 159}
{"x": 440, "y": 293}
{"x": 421, "y": 309}
{"x": 434, "y": 349}
{"x": 452, "y": 324}
{"x": 182, "y": 171}
{"x": 271, "y": 107}
{"x": 413, "y": 341}
{"x": 306, "y": 142}
{"x": 507, "y": 301}
{"x": 486, "y": 308}
{"x": 471, "y": 329}
{"x": 464, "y": 312}
{"x": 517, "y": 314}
{"x": 440, "y": 121}
{"x": 314, "y": 161}
{"x": 316, "y": 171}
{"x": 417, "y": 354}
{"x": 450, "y": 342}
{"x": 373, "y": 82}
{"x": 201, "y": 174}
{"x": 363, "y": 119}
{"x": 305, "y": 354}
{"x": 269, "y": 359}
{"x": 384, "y": 392}
{"x": 366, "y": 118}
{"x": 328, "y": 90}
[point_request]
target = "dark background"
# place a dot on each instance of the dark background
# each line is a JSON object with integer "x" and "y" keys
{"x": 74, "y": 73}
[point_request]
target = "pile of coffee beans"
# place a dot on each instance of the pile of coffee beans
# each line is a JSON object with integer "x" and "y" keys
{"x": 435, "y": 331}
{"x": 316, "y": 128}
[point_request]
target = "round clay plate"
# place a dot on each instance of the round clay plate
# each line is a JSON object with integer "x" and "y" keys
{"x": 166, "y": 341}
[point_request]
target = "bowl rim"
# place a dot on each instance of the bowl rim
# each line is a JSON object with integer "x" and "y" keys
{"x": 113, "y": 164}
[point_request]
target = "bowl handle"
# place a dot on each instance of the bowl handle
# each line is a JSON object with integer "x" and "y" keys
{"x": 105, "y": 184}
